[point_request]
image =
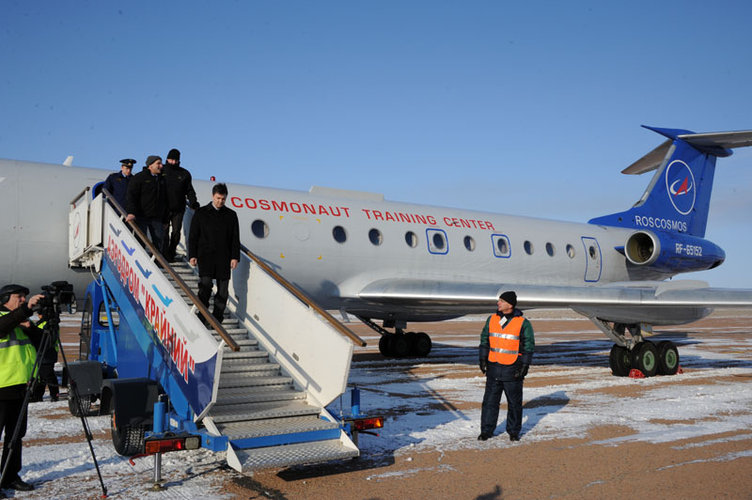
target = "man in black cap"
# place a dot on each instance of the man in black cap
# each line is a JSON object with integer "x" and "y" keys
{"x": 506, "y": 350}
{"x": 146, "y": 201}
{"x": 117, "y": 182}
{"x": 17, "y": 357}
{"x": 179, "y": 189}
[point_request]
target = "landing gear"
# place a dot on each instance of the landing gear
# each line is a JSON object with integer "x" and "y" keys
{"x": 644, "y": 358}
{"x": 620, "y": 361}
{"x": 668, "y": 358}
{"x": 400, "y": 344}
{"x": 635, "y": 352}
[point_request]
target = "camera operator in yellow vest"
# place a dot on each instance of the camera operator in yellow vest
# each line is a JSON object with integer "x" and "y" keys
{"x": 17, "y": 357}
{"x": 506, "y": 350}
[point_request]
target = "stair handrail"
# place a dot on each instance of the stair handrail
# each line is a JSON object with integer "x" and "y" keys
{"x": 303, "y": 297}
{"x": 167, "y": 267}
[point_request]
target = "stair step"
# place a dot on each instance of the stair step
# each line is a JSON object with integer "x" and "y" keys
{"x": 245, "y": 380}
{"x": 258, "y": 370}
{"x": 261, "y": 411}
{"x": 285, "y": 393}
{"x": 274, "y": 427}
{"x": 294, "y": 454}
{"x": 248, "y": 356}
{"x": 246, "y": 344}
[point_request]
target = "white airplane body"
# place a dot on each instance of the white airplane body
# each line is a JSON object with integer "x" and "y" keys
{"x": 403, "y": 262}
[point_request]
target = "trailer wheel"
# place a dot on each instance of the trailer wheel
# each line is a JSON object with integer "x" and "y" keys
{"x": 128, "y": 439}
{"x": 85, "y": 404}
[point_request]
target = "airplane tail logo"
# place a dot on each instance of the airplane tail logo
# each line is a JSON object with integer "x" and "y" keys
{"x": 680, "y": 186}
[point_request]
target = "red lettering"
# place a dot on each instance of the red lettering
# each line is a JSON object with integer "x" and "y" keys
{"x": 279, "y": 206}
{"x": 431, "y": 220}
{"x": 490, "y": 226}
{"x": 322, "y": 210}
{"x": 264, "y": 205}
{"x": 248, "y": 202}
{"x": 295, "y": 207}
{"x": 235, "y": 202}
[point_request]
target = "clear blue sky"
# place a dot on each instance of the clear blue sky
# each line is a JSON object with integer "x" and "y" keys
{"x": 516, "y": 107}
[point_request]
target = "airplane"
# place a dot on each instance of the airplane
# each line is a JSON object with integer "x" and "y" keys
{"x": 399, "y": 262}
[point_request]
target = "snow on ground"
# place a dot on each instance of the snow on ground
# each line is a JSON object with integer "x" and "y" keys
{"x": 436, "y": 405}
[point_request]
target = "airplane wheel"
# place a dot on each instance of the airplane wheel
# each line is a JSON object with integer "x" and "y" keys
{"x": 385, "y": 346}
{"x": 645, "y": 358}
{"x": 620, "y": 361}
{"x": 668, "y": 358}
{"x": 400, "y": 346}
{"x": 422, "y": 344}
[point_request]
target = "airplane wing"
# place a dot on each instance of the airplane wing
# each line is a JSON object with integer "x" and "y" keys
{"x": 654, "y": 302}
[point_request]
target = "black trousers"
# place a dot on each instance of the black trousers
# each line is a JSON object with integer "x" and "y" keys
{"x": 174, "y": 228}
{"x": 495, "y": 386}
{"x": 154, "y": 229}
{"x": 220, "y": 299}
{"x": 10, "y": 411}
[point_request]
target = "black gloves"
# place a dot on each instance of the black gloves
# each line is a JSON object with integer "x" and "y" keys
{"x": 483, "y": 358}
{"x": 522, "y": 372}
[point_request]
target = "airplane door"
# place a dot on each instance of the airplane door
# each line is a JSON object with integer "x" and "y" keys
{"x": 593, "y": 263}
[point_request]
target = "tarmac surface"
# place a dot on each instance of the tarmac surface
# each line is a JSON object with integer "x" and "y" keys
{"x": 586, "y": 433}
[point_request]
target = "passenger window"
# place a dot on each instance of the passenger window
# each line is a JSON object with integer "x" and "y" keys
{"x": 411, "y": 239}
{"x": 469, "y": 243}
{"x": 570, "y": 251}
{"x": 592, "y": 251}
{"x": 375, "y": 236}
{"x": 260, "y": 229}
{"x": 437, "y": 241}
{"x": 550, "y": 249}
{"x": 529, "y": 247}
{"x": 339, "y": 234}
{"x": 501, "y": 247}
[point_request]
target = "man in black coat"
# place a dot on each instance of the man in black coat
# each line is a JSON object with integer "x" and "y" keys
{"x": 146, "y": 201}
{"x": 179, "y": 189}
{"x": 117, "y": 182}
{"x": 214, "y": 243}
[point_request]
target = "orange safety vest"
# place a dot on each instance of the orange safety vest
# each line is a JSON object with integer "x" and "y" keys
{"x": 504, "y": 340}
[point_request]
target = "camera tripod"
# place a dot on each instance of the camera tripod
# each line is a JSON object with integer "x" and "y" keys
{"x": 51, "y": 337}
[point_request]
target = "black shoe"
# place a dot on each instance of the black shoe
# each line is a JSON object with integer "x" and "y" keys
{"x": 19, "y": 485}
{"x": 514, "y": 437}
{"x": 483, "y": 436}
{"x": 54, "y": 399}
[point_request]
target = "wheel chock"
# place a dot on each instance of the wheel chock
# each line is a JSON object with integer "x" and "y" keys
{"x": 635, "y": 373}
{"x": 679, "y": 371}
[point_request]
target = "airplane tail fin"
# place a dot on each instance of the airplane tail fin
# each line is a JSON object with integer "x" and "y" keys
{"x": 677, "y": 199}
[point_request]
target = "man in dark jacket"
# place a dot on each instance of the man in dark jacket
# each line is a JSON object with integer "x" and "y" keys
{"x": 117, "y": 182}
{"x": 214, "y": 243}
{"x": 179, "y": 190}
{"x": 506, "y": 350}
{"x": 146, "y": 201}
{"x": 17, "y": 357}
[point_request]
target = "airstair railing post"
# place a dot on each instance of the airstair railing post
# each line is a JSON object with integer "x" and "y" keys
{"x": 160, "y": 408}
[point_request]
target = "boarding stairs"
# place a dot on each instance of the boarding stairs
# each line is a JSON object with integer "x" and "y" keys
{"x": 269, "y": 384}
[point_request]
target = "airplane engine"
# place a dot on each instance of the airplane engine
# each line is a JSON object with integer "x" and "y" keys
{"x": 668, "y": 252}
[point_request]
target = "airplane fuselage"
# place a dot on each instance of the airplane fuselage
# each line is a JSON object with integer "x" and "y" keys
{"x": 331, "y": 243}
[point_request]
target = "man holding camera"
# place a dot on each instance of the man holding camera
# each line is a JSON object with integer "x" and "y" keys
{"x": 17, "y": 357}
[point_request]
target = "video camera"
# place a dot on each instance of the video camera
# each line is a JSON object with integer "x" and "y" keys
{"x": 57, "y": 296}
